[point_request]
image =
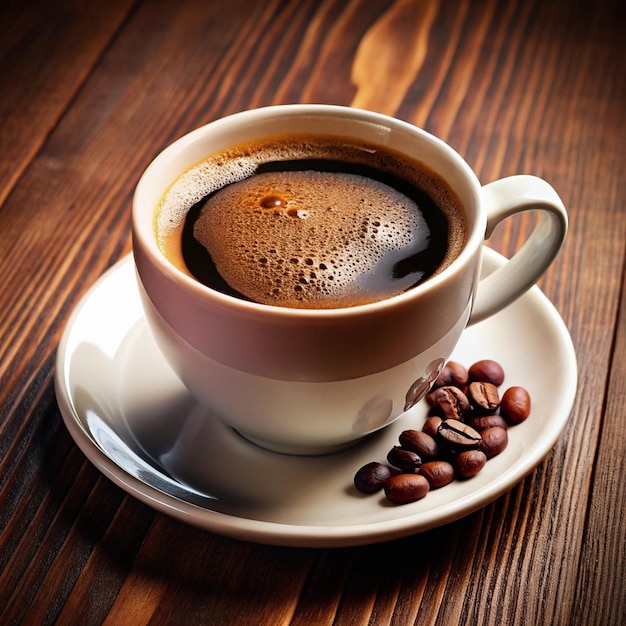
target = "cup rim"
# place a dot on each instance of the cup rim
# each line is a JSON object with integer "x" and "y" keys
{"x": 146, "y": 241}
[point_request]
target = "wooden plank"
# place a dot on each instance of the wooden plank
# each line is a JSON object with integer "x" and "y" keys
{"x": 601, "y": 599}
{"x": 47, "y": 52}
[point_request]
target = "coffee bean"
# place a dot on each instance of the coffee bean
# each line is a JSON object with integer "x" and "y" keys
{"x": 437, "y": 473}
{"x": 431, "y": 425}
{"x": 453, "y": 374}
{"x": 405, "y": 488}
{"x": 483, "y": 397}
{"x": 449, "y": 403}
{"x": 455, "y": 436}
{"x": 467, "y": 425}
{"x": 494, "y": 440}
{"x": 487, "y": 371}
{"x": 406, "y": 460}
{"x": 515, "y": 405}
{"x": 371, "y": 477}
{"x": 470, "y": 462}
{"x": 483, "y": 422}
{"x": 419, "y": 442}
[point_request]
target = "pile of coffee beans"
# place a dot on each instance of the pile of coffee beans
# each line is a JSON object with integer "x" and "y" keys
{"x": 467, "y": 425}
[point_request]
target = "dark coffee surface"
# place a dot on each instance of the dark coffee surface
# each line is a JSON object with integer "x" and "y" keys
{"x": 339, "y": 225}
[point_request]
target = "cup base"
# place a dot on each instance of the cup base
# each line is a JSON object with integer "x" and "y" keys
{"x": 297, "y": 450}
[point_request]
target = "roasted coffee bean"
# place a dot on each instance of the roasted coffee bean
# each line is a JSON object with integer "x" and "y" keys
{"x": 431, "y": 425}
{"x": 453, "y": 374}
{"x": 483, "y": 397}
{"x": 466, "y": 426}
{"x": 483, "y": 422}
{"x": 494, "y": 440}
{"x": 406, "y": 460}
{"x": 515, "y": 405}
{"x": 470, "y": 462}
{"x": 419, "y": 442}
{"x": 371, "y": 477}
{"x": 405, "y": 488}
{"x": 449, "y": 403}
{"x": 487, "y": 371}
{"x": 455, "y": 436}
{"x": 437, "y": 473}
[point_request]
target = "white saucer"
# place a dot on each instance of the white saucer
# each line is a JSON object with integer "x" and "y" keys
{"x": 135, "y": 421}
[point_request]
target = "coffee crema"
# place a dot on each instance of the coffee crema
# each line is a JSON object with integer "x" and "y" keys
{"x": 309, "y": 221}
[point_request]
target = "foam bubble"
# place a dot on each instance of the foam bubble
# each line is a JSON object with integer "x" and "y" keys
{"x": 197, "y": 183}
{"x": 325, "y": 235}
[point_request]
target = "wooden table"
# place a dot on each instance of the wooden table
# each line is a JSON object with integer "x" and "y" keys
{"x": 92, "y": 91}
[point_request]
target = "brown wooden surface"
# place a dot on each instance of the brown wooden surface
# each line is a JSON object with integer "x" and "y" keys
{"x": 91, "y": 91}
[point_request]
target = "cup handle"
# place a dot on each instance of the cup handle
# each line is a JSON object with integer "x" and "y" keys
{"x": 504, "y": 198}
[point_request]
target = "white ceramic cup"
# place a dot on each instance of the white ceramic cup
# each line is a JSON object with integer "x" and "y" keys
{"x": 313, "y": 381}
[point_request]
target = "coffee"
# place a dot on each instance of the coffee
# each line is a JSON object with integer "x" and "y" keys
{"x": 305, "y": 221}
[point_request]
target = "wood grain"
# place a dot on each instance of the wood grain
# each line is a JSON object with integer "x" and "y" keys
{"x": 91, "y": 92}
{"x": 47, "y": 54}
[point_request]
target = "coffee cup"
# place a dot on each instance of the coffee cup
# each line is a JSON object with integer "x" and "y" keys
{"x": 308, "y": 379}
